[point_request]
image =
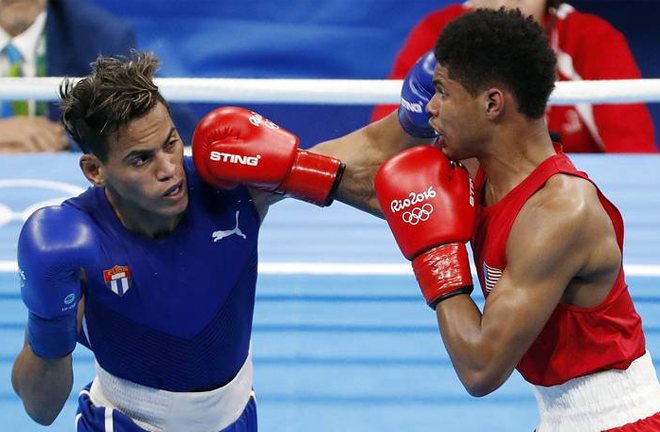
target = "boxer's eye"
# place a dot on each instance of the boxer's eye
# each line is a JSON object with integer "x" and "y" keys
{"x": 170, "y": 145}
{"x": 139, "y": 160}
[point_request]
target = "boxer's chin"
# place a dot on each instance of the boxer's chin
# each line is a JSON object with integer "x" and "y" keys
{"x": 441, "y": 143}
{"x": 451, "y": 152}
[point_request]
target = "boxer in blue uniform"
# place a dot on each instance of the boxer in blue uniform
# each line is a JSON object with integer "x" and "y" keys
{"x": 152, "y": 268}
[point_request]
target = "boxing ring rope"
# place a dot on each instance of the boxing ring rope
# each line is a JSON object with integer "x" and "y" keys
{"x": 331, "y": 91}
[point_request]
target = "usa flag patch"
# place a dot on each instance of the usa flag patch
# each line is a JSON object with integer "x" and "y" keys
{"x": 118, "y": 279}
{"x": 492, "y": 275}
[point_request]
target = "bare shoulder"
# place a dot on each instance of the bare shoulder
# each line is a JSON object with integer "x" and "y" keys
{"x": 565, "y": 203}
{"x": 562, "y": 222}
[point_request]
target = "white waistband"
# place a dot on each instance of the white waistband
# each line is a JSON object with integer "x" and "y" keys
{"x": 600, "y": 401}
{"x": 159, "y": 410}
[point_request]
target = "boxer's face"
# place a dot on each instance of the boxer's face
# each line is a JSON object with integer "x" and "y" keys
{"x": 17, "y": 15}
{"x": 143, "y": 173}
{"x": 457, "y": 116}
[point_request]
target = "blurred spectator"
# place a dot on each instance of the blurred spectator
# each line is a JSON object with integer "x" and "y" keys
{"x": 587, "y": 48}
{"x": 57, "y": 38}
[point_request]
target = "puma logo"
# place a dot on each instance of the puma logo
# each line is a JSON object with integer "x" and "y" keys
{"x": 220, "y": 234}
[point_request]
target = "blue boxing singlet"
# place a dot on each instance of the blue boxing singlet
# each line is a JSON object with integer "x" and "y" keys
{"x": 174, "y": 313}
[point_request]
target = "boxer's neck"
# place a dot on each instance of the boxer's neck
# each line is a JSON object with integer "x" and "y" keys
{"x": 133, "y": 218}
{"x": 513, "y": 154}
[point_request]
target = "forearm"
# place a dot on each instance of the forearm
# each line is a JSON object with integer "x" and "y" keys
{"x": 357, "y": 187}
{"x": 480, "y": 363}
{"x": 363, "y": 151}
{"x": 43, "y": 384}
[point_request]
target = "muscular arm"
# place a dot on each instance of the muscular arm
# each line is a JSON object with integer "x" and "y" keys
{"x": 542, "y": 258}
{"x": 42, "y": 384}
{"x": 363, "y": 151}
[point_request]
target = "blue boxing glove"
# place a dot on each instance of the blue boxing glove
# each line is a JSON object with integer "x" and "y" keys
{"x": 55, "y": 244}
{"x": 416, "y": 93}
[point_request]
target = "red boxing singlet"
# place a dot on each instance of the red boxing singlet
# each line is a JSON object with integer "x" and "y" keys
{"x": 576, "y": 341}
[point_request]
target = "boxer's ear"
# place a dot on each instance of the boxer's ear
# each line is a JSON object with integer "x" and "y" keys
{"x": 494, "y": 101}
{"x": 92, "y": 169}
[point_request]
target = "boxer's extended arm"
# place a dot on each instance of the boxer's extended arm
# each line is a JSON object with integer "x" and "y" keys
{"x": 363, "y": 151}
{"x": 556, "y": 238}
{"x": 229, "y": 132}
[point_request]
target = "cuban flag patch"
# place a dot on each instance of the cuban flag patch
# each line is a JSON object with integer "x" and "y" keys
{"x": 492, "y": 275}
{"x": 118, "y": 279}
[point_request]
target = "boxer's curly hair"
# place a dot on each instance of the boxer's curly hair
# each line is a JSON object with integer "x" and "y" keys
{"x": 500, "y": 47}
{"x": 119, "y": 90}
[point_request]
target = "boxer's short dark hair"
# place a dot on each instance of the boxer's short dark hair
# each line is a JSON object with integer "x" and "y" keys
{"x": 119, "y": 90}
{"x": 500, "y": 47}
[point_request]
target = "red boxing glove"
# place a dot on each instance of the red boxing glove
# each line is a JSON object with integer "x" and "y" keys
{"x": 234, "y": 145}
{"x": 428, "y": 203}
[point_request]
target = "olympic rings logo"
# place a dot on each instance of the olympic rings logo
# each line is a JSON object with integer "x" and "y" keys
{"x": 418, "y": 214}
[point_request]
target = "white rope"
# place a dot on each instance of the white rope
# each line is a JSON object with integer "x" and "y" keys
{"x": 331, "y": 92}
{"x": 362, "y": 269}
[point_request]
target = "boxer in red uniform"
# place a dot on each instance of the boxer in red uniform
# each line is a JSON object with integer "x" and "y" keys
{"x": 547, "y": 244}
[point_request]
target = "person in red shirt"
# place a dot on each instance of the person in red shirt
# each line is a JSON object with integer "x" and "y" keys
{"x": 587, "y": 48}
